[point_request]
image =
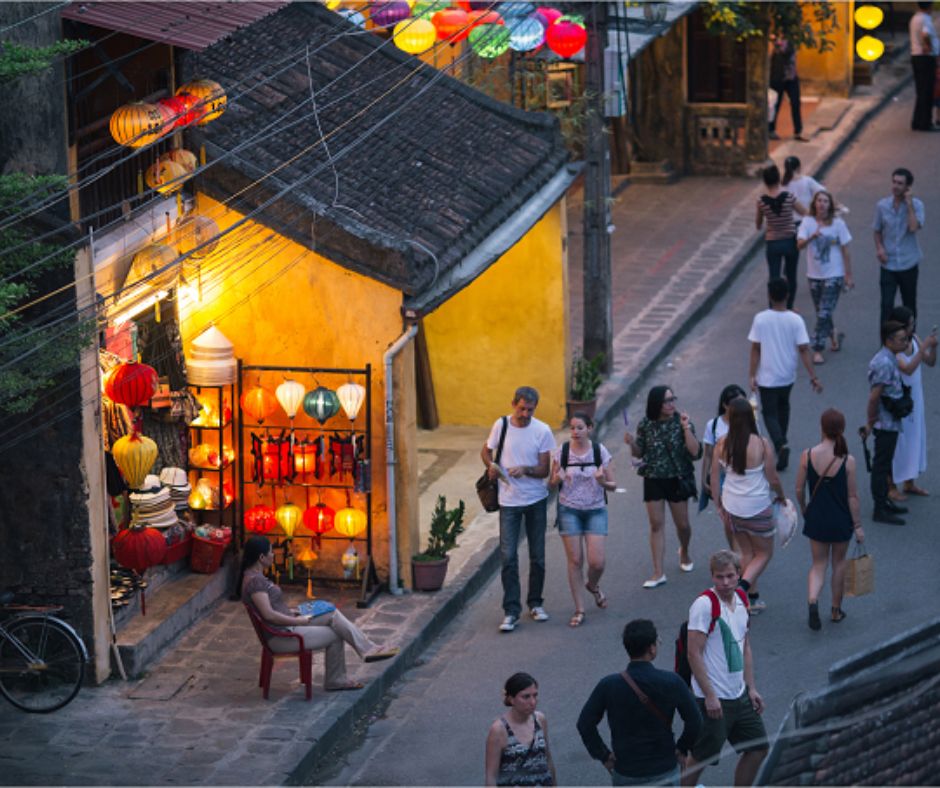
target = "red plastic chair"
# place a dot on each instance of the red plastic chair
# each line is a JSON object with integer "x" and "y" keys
{"x": 305, "y": 656}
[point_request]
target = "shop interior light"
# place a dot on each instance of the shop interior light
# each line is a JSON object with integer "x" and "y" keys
{"x": 129, "y": 314}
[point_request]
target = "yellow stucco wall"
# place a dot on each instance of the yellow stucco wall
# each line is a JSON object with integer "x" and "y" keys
{"x": 829, "y": 73}
{"x": 506, "y": 329}
{"x": 281, "y": 304}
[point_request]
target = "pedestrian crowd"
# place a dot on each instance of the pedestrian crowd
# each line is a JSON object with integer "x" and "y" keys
{"x": 713, "y": 687}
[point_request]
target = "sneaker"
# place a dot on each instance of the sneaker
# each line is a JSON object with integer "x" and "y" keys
{"x": 773, "y": 135}
{"x": 891, "y": 506}
{"x": 538, "y": 614}
{"x": 509, "y": 623}
{"x": 783, "y": 458}
{"x": 757, "y": 607}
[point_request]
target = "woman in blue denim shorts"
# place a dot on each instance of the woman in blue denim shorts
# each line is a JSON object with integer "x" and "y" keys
{"x": 583, "y": 472}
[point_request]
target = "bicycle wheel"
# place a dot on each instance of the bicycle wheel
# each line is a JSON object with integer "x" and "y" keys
{"x": 49, "y": 674}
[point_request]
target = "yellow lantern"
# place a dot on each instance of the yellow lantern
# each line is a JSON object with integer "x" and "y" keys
{"x": 414, "y": 36}
{"x": 166, "y": 176}
{"x": 193, "y": 232}
{"x": 869, "y": 16}
{"x": 134, "y": 455}
{"x": 290, "y": 394}
{"x": 211, "y": 96}
{"x": 350, "y": 522}
{"x": 196, "y": 501}
{"x": 137, "y": 124}
{"x": 186, "y": 159}
{"x": 869, "y": 48}
{"x": 208, "y": 493}
{"x": 289, "y": 517}
{"x": 351, "y": 396}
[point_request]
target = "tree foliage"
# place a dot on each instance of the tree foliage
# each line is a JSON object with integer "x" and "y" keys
{"x": 17, "y": 61}
{"x": 808, "y": 24}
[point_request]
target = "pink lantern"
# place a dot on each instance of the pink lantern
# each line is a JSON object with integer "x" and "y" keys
{"x": 548, "y": 15}
{"x": 566, "y": 37}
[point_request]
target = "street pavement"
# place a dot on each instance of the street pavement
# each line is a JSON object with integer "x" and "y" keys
{"x": 433, "y": 728}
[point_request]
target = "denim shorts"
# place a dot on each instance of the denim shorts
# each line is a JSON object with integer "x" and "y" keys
{"x": 576, "y": 522}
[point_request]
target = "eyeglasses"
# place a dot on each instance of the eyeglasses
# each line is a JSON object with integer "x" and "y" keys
{"x": 670, "y": 400}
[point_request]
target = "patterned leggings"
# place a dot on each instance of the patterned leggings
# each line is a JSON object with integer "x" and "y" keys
{"x": 825, "y": 293}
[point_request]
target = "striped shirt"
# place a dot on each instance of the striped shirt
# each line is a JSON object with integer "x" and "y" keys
{"x": 778, "y": 213}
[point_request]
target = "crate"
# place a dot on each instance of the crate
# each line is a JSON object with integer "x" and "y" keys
{"x": 206, "y": 557}
{"x": 179, "y": 551}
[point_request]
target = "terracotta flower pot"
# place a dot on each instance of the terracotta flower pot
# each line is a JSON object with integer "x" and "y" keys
{"x": 429, "y": 575}
{"x": 587, "y": 407}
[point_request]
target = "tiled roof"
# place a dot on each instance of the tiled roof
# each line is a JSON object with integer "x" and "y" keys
{"x": 424, "y": 162}
{"x": 877, "y": 723}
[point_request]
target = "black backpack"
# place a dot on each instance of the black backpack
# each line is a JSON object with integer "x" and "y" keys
{"x": 563, "y": 460}
{"x": 682, "y": 666}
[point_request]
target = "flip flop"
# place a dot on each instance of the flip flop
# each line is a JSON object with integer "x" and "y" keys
{"x": 577, "y": 619}
{"x": 913, "y": 489}
{"x": 352, "y": 685}
{"x": 835, "y": 341}
{"x": 837, "y": 614}
{"x": 600, "y": 598}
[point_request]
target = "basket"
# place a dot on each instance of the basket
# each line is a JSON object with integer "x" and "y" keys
{"x": 178, "y": 551}
{"x": 207, "y": 555}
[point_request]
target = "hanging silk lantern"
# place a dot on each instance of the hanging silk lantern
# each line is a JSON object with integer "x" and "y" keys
{"x": 414, "y": 36}
{"x": 869, "y": 17}
{"x": 516, "y": 10}
{"x": 288, "y": 516}
{"x": 548, "y": 15}
{"x": 525, "y": 33}
{"x": 307, "y": 557}
{"x": 389, "y": 13}
{"x": 321, "y": 404}
{"x": 210, "y": 99}
{"x": 197, "y": 236}
{"x": 180, "y": 110}
{"x": 869, "y": 48}
{"x": 350, "y": 562}
{"x": 131, "y": 384}
{"x": 259, "y": 403}
{"x": 476, "y": 5}
{"x": 275, "y": 465}
{"x": 350, "y": 522}
{"x": 351, "y": 396}
{"x": 319, "y": 518}
{"x": 186, "y": 159}
{"x": 305, "y": 459}
{"x": 260, "y": 519}
{"x": 208, "y": 492}
{"x": 425, "y": 9}
{"x": 138, "y": 548}
{"x": 474, "y": 20}
{"x": 134, "y": 456}
{"x": 450, "y": 22}
{"x": 566, "y": 36}
{"x": 490, "y": 41}
{"x": 137, "y": 124}
{"x": 166, "y": 176}
{"x": 290, "y": 394}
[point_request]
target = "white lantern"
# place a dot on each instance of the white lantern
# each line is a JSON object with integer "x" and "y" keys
{"x": 290, "y": 394}
{"x": 351, "y": 397}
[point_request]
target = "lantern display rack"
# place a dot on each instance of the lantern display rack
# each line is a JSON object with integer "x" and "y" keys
{"x": 212, "y": 464}
{"x": 267, "y": 425}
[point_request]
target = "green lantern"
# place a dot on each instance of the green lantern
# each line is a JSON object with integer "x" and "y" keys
{"x": 425, "y": 9}
{"x": 490, "y": 41}
{"x": 321, "y": 404}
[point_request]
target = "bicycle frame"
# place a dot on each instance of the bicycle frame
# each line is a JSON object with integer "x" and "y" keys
{"x": 27, "y": 654}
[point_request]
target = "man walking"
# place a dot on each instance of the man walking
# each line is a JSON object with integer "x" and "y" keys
{"x": 524, "y": 445}
{"x": 778, "y": 340}
{"x": 639, "y": 704}
{"x": 925, "y": 47}
{"x": 885, "y": 411}
{"x": 898, "y": 218}
{"x": 784, "y": 79}
{"x": 723, "y": 676}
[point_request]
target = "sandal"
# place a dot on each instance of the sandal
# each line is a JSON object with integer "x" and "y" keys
{"x": 837, "y": 614}
{"x": 600, "y": 598}
{"x": 380, "y": 654}
{"x": 913, "y": 489}
{"x": 818, "y": 359}
{"x": 351, "y": 685}
{"x": 835, "y": 341}
{"x": 577, "y": 619}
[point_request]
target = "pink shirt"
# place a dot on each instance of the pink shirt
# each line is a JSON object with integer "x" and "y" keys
{"x": 580, "y": 490}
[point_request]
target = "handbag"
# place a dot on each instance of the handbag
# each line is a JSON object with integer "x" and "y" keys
{"x": 899, "y": 407}
{"x": 859, "y": 572}
{"x": 487, "y": 488}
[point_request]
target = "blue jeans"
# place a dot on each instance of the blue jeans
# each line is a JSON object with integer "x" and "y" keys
{"x": 667, "y": 778}
{"x": 825, "y": 293}
{"x": 578, "y": 522}
{"x": 511, "y": 521}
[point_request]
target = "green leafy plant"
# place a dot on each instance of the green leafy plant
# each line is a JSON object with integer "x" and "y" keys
{"x": 446, "y": 526}
{"x": 586, "y": 377}
{"x": 805, "y": 24}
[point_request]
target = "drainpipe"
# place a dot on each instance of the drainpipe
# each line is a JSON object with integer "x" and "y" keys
{"x": 390, "y": 462}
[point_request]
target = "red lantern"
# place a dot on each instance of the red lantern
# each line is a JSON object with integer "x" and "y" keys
{"x": 181, "y": 109}
{"x": 450, "y": 22}
{"x": 305, "y": 458}
{"x": 548, "y": 15}
{"x": 259, "y": 403}
{"x": 566, "y": 37}
{"x": 260, "y": 519}
{"x": 139, "y": 548}
{"x": 476, "y": 18}
{"x": 228, "y": 493}
{"x": 276, "y": 466}
{"x": 318, "y": 519}
{"x": 131, "y": 384}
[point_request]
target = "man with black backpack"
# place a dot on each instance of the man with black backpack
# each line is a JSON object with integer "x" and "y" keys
{"x": 722, "y": 675}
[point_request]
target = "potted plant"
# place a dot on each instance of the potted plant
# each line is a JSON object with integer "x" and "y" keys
{"x": 585, "y": 380}
{"x": 428, "y": 569}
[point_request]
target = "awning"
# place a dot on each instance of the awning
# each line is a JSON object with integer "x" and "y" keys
{"x": 190, "y": 25}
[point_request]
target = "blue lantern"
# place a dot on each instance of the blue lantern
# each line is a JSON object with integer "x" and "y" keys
{"x": 526, "y": 33}
{"x": 516, "y": 9}
{"x": 321, "y": 404}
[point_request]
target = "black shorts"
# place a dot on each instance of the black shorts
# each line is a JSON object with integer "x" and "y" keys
{"x": 662, "y": 490}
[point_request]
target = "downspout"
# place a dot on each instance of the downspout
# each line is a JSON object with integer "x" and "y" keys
{"x": 390, "y": 462}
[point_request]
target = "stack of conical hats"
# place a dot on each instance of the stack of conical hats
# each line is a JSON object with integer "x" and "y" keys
{"x": 211, "y": 360}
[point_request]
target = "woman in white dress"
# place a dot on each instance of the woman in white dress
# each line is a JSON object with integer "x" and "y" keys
{"x": 910, "y": 455}
{"x": 803, "y": 187}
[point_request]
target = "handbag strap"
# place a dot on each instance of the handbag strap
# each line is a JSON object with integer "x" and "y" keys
{"x": 809, "y": 457}
{"x": 644, "y": 699}
{"x": 502, "y": 440}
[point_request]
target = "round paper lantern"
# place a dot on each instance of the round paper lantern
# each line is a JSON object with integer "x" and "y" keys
{"x": 869, "y": 48}
{"x": 476, "y": 5}
{"x": 425, "y": 9}
{"x": 166, "y": 176}
{"x": 196, "y": 501}
{"x": 260, "y": 519}
{"x": 319, "y": 518}
{"x": 516, "y": 9}
{"x": 186, "y": 159}
{"x": 490, "y": 41}
{"x": 290, "y": 394}
{"x": 414, "y": 36}
{"x": 869, "y": 16}
{"x": 137, "y": 124}
{"x": 476, "y": 18}
{"x": 548, "y": 15}
{"x": 387, "y": 14}
{"x": 321, "y": 404}
{"x": 351, "y": 396}
{"x": 210, "y": 99}
{"x": 350, "y": 522}
{"x": 450, "y": 22}
{"x": 198, "y": 235}
{"x": 526, "y": 33}
{"x": 181, "y": 109}
{"x": 566, "y": 36}
{"x": 131, "y": 384}
{"x": 289, "y": 516}
{"x": 259, "y": 403}
{"x": 138, "y": 548}
{"x": 134, "y": 456}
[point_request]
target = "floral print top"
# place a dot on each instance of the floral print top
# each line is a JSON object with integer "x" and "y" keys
{"x": 662, "y": 447}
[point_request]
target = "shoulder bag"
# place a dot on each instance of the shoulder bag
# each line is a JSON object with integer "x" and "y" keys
{"x": 645, "y": 700}
{"x": 487, "y": 488}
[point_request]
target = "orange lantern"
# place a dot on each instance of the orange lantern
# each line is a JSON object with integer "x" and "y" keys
{"x": 259, "y": 403}
{"x": 137, "y": 124}
{"x": 210, "y": 96}
{"x": 166, "y": 176}
{"x": 305, "y": 458}
{"x": 186, "y": 159}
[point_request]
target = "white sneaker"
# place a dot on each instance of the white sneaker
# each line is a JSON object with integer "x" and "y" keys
{"x": 509, "y": 623}
{"x": 538, "y": 614}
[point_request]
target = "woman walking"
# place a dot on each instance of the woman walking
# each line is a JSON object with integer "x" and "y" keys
{"x": 828, "y": 266}
{"x": 582, "y": 470}
{"x": 832, "y": 514}
{"x": 665, "y": 441}
{"x": 776, "y": 206}
{"x": 802, "y": 187}
{"x": 517, "y": 751}
{"x": 746, "y": 499}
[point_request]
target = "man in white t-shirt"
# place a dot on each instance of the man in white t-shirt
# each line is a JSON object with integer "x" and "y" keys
{"x": 778, "y": 341}
{"x": 723, "y": 676}
{"x": 521, "y": 467}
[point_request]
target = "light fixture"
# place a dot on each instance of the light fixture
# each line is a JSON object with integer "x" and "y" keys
{"x": 129, "y": 314}
{"x": 869, "y": 16}
{"x": 869, "y": 48}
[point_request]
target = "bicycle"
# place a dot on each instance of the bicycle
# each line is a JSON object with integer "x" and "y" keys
{"x": 42, "y": 658}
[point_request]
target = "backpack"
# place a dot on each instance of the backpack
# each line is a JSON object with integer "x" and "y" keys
{"x": 682, "y": 666}
{"x": 563, "y": 460}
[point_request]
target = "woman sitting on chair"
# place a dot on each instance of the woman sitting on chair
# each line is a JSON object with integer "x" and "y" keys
{"x": 330, "y": 631}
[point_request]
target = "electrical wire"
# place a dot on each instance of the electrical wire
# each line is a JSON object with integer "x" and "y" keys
{"x": 34, "y": 16}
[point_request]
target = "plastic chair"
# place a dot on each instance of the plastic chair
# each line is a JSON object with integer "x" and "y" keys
{"x": 265, "y": 631}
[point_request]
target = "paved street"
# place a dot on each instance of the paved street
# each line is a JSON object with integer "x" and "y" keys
{"x": 433, "y": 728}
